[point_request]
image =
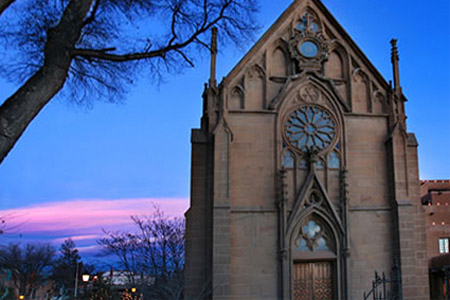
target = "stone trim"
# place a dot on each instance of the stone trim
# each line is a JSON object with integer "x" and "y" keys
{"x": 243, "y": 111}
{"x": 365, "y": 115}
{"x": 369, "y": 208}
{"x": 253, "y": 210}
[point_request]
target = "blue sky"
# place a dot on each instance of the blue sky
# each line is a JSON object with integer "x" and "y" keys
{"x": 141, "y": 149}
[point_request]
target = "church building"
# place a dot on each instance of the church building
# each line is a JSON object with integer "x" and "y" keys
{"x": 304, "y": 178}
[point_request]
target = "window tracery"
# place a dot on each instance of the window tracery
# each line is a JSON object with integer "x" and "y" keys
{"x": 320, "y": 165}
{"x": 308, "y": 22}
{"x": 310, "y": 129}
{"x": 315, "y": 236}
{"x": 307, "y": 44}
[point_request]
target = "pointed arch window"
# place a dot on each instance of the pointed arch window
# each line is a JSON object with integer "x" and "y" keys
{"x": 288, "y": 159}
{"x": 315, "y": 235}
{"x": 308, "y": 22}
{"x": 334, "y": 161}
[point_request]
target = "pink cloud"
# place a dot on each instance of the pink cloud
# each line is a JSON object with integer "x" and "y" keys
{"x": 91, "y": 248}
{"x": 83, "y": 219}
{"x": 76, "y": 238}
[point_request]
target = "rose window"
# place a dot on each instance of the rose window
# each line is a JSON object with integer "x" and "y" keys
{"x": 310, "y": 128}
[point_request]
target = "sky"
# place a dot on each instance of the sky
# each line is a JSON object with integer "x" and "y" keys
{"x": 78, "y": 170}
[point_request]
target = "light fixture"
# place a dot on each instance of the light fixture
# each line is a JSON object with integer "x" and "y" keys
{"x": 133, "y": 290}
{"x": 21, "y": 297}
{"x": 85, "y": 277}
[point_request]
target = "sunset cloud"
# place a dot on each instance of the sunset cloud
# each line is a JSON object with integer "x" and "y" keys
{"x": 83, "y": 219}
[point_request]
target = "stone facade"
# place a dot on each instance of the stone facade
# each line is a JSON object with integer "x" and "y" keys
{"x": 304, "y": 178}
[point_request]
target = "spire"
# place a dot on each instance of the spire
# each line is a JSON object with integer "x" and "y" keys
{"x": 212, "y": 79}
{"x": 394, "y": 60}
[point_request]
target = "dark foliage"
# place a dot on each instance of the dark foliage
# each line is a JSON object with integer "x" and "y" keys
{"x": 29, "y": 266}
{"x": 65, "y": 267}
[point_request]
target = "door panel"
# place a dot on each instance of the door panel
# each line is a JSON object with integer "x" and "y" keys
{"x": 313, "y": 281}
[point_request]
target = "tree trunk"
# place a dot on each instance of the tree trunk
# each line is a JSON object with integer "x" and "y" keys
{"x": 21, "y": 108}
{"x": 4, "y": 4}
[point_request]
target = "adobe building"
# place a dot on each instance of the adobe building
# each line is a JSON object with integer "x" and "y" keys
{"x": 304, "y": 177}
{"x": 436, "y": 198}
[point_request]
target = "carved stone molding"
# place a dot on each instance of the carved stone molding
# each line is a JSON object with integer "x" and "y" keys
{"x": 309, "y": 93}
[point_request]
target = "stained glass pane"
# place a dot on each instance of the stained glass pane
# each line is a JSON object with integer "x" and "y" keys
{"x": 315, "y": 236}
{"x": 302, "y": 245}
{"x": 333, "y": 160}
{"x": 311, "y": 229}
{"x": 288, "y": 159}
{"x": 308, "y": 49}
{"x": 301, "y": 25}
{"x": 314, "y": 26}
{"x": 320, "y": 165}
{"x": 303, "y": 164}
{"x": 322, "y": 245}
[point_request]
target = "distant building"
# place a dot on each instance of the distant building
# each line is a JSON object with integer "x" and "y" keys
{"x": 125, "y": 279}
{"x": 436, "y": 198}
{"x": 304, "y": 176}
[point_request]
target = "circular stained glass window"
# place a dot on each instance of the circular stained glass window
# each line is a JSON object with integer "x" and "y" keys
{"x": 310, "y": 128}
{"x": 308, "y": 49}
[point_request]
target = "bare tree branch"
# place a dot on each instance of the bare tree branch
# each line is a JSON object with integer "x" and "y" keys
{"x": 91, "y": 17}
{"x": 86, "y": 43}
{"x": 161, "y": 52}
{"x": 185, "y": 58}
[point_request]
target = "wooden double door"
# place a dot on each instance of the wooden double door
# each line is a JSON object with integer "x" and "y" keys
{"x": 313, "y": 281}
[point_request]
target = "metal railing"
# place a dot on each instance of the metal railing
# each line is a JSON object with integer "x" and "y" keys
{"x": 384, "y": 288}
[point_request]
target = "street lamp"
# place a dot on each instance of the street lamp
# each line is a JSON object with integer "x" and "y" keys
{"x": 85, "y": 279}
{"x": 133, "y": 290}
{"x": 21, "y": 297}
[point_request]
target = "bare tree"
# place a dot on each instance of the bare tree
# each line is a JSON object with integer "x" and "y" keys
{"x": 161, "y": 243}
{"x": 28, "y": 265}
{"x": 124, "y": 246}
{"x": 155, "y": 251}
{"x": 94, "y": 46}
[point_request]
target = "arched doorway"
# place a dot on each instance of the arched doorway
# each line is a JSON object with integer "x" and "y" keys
{"x": 314, "y": 261}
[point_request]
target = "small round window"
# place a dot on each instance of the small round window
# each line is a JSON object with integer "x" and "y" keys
{"x": 308, "y": 49}
{"x": 310, "y": 128}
